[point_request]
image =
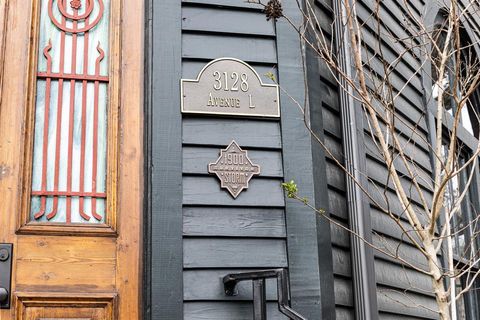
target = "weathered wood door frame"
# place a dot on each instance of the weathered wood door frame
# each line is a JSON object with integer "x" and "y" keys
{"x": 124, "y": 300}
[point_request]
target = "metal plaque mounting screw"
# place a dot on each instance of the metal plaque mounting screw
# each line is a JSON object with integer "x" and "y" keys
{"x": 4, "y": 255}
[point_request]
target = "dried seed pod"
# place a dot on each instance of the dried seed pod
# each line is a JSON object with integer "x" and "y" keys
{"x": 273, "y": 10}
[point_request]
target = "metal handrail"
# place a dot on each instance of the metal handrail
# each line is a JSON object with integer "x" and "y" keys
{"x": 258, "y": 278}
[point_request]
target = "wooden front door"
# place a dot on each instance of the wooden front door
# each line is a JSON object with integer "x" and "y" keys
{"x": 71, "y": 162}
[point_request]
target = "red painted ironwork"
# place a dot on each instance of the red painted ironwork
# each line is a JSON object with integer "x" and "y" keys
{"x": 75, "y": 17}
{"x": 84, "y": 126}
{"x": 74, "y": 77}
{"x": 99, "y": 195}
{"x": 68, "y": 76}
{"x": 45, "y": 131}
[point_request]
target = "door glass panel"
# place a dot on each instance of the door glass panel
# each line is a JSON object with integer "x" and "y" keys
{"x": 70, "y": 136}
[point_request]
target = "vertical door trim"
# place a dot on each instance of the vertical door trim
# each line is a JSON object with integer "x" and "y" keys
{"x": 163, "y": 161}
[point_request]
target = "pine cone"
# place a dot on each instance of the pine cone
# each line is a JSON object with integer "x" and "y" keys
{"x": 273, "y": 10}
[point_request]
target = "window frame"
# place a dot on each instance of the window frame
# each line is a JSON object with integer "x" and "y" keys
{"x": 109, "y": 227}
{"x": 466, "y": 141}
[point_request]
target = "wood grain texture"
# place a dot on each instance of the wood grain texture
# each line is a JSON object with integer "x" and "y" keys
{"x": 50, "y": 306}
{"x": 208, "y": 285}
{"x": 331, "y": 121}
{"x": 200, "y": 46}
{"x": 343, "y": 313}
{"x": 130, "y": 170}
{"x": 227, "y": 310}
{"x": 163, "y": 254}
{"x": 234, "y": 253}
{"x": 319, "y": 120}
{"x": 335, "y": 176}
{"x": 196, "y": 160}
{"x": 220, "y": 232}
{"x": 405, "y": 279}
{"x": 3, "y": 25}
{"x": 220, "y": 132}
{"x": 409, "y": 304}
{"x": 191, "y": 68}
{"x": 337, "y": 204}
{"x": 343, "y": 292}
{"x": 65, "y": 267}
{"x": 221, "y": 20}
{"x": 406, "y": 251}
{"x": 207, "y": 191}
{"x": 340, "y": 236}
{"x": 11, "y": 120}
{"x": 342, "y": 262}
{"x": 65, "y": 264}
{"x": 225, "y": 3}
{"x": 233, "y": 222}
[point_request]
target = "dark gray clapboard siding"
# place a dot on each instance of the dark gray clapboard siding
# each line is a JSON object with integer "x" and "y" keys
{"x": 191, "y": 68}
{"x": 388, "y": 199}
{"x": 211, "y": 46}
{"x": 340, "y": 236}
{"x": 208, "y": 285}
{"x": 343, "y": 313}
{"x": 221, "y": 234}
{"x": 337, "y": 203}
{"x": 220, "y": 132}
{"x": 423, "y": 176}
{"x": 342, "y": 262}
{"x": 382, "y": 223}
{"x": 389, "y": 316}
{"x": 334, "y": 145}
{"x": 405, "y": 278}
{"x": 400, "y": 289}
{"x": 206, "y": 191}
{"x": 409, "y": 122}
{"x": 224, "y": 20}
{"x": 234, "y": 222}
{"x": 391, "y": 248}
{"x": 343, "y": 292}
{"x": 406, "y": 303}
{"x": 380, "y": 175}
{"x": 335, "y": 176}
{"x": 196, "y": 160}
{"x": 332, "y": 122}
{"x": 234, "y": 253}
{"x": 329, "y": 96}
{"x": 332, "y": 125}
{"x": 227, "y": 310}
{"x": 225, "y": 3}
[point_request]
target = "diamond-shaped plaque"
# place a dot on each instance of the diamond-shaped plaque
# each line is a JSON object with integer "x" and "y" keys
{"x": 234, "y": 169}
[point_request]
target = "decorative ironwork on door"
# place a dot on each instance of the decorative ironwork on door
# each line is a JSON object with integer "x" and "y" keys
{"x": 70, "y": 142}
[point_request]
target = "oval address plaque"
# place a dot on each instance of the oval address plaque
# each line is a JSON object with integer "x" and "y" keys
{"x": 229, "y": 86}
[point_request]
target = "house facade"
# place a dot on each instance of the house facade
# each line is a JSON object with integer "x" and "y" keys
{"x": 115, "y": 200}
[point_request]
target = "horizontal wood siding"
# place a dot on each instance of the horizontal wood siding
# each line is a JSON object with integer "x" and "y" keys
{"x": 401, "y": 290}
{"x": 332, "y": 125}
{"x": 223, "y": 235}
{"x": 231, "y": 310}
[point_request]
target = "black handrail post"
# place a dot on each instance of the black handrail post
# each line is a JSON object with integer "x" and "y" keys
{"x": 231, "y": 280}
{"x": 259, "y": 300}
